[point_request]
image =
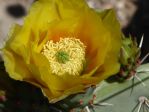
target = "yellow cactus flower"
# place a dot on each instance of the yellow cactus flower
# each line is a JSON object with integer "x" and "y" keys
{"x": 63, "y": 47}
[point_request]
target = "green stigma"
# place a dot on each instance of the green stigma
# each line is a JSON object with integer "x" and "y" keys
{"x": 62, "y": 57}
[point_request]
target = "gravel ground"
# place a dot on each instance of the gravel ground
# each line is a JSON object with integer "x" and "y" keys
{"x": 11, "y": 12}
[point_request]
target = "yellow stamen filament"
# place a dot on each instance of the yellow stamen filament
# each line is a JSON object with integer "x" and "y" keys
{"x": 66, "y": 56}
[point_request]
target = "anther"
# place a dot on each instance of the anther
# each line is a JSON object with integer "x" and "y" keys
{"x": 66, "y": 56}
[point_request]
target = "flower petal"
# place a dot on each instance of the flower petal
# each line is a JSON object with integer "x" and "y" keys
{"x": 15, "y": 66}
{"x": 111, "y": 64}
{"x": 97, "y": 39}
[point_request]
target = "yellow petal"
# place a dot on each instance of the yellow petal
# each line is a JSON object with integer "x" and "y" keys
{"x": 67, "y": 92}
{"x": 70, "y": 8}
{"x": 96, "y": 37}
{"x": 88, "y": 27}
{"x": 15, "y": 66}
{"x": 111, "y": 64}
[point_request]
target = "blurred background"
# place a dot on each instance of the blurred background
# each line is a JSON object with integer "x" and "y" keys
{"x": 132, "y": 14}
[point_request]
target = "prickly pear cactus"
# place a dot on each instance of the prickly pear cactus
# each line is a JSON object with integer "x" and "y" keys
{"x": 129, "y": 58}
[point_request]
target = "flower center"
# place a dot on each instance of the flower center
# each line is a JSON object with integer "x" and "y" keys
{"x": 66, "y": 56}
{"x": 62, "y": 57}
